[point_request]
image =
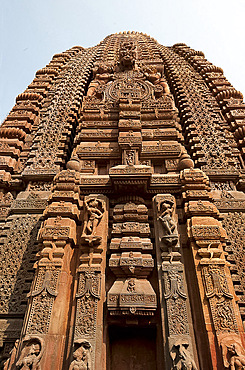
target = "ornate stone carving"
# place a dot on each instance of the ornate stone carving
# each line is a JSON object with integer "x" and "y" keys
{"x": 181, "y": 357}
{"x": 171, "y": 275}
{"x": 127, "y": 55}
{"x": 94, "y": 210}
{"x": 43, "y": 296}
{"x": 197, "y": 104}
{"x": 31, "y": 353}
{"x": 234, "y": 226}
{"x": 166, "y": 209}
{"x": 131, "y": 293}
{"x": 87, "y": 297}
{"x": 17, "y": 251}
{"x": 129, "y": 139}
{"x": 82, "y": 356}
{"x": 233, "y": 352}
{"x": 46, "y": 157}
{"x": 219, "y": 297}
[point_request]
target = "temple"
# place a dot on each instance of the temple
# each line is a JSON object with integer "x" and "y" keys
{"x": 122, "y": 213}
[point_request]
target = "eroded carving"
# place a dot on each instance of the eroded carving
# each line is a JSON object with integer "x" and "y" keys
{"x": 181, "y": 357}
{"x": 82, "y": 356}
{"x": 233, "y": 352}
{"x": 31, "y": 353}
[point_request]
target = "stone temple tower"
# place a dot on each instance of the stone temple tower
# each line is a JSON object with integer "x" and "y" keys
{"x": 122, "y": 213}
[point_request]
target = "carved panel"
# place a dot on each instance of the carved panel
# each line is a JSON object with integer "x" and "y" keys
{"x": 175, "y": 296}
{"x": 220, "y": 299}
{"x": 87, "y": 298}
{"x": 43, "y": 295}
{"x": 234, "y": 226}
{"x": 17, "y": 257}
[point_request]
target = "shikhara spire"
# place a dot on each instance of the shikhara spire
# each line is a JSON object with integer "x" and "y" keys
{"x": 122, "y": 181}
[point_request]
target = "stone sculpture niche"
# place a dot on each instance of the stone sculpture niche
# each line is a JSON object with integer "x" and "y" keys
{"x": 168, "y": 233}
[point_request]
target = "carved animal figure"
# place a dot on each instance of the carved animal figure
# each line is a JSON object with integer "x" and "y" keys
{"x": 181, "y": 357}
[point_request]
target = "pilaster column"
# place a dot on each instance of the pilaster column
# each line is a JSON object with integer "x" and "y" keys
{"x": 43, "y": 340}
{"x": 218, "y": 306}
{"x": 89, "y": 344}
{"x": 173, "y": 295}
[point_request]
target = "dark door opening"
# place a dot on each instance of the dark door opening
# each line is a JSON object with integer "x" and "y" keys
{"x": 132, "y": 348}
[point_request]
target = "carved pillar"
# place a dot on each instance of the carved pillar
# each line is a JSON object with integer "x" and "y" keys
{"x": 89, "y": 346}
{"x": 43, "y": 338}
{"x": 173, "y": 296}
{"x": 217, "y": 304}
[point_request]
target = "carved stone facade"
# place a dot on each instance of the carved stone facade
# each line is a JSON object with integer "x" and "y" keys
{"x": 122, "y": 213}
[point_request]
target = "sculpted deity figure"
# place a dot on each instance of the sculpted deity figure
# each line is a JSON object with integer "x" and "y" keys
{"x": 82, "y": 357}
{"x": 127, "y": 55}
{"x": 94, "y": 212}
{"x": 237, "y": 361}
{"x": 233, "y": 352}
{"x": 181, "y": 357}
{"x": 30, "y": 355}
{"x": 169, "y": 239}
{"x": 165, "y": 216}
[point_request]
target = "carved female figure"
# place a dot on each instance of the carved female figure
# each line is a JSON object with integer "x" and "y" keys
{"x": 237, "y": 360}
{"x": 165, "y": 216}
{"x": 82, "y": 357}
{"x": 31, "y": 354}
{"x": 95, "y": 212}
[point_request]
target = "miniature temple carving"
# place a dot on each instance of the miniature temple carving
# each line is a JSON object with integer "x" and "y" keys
{"x": 122, "y": 213}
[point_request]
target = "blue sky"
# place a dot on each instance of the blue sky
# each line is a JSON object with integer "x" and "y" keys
{"x": 32, "y": 31}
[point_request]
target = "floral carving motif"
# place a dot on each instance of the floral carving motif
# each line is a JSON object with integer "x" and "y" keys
{"x": 17, "y": 251}
{"x": 87, "y": 298}
{"x": 234, "y": 226}
{"x": 220, "y": 299}
{"x": 43, "y": 297}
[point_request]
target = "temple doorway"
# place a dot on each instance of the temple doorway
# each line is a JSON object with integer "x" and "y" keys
{"x": 132, "y": 348}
